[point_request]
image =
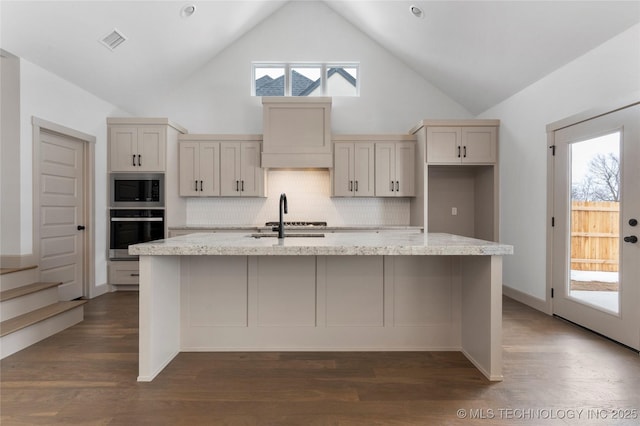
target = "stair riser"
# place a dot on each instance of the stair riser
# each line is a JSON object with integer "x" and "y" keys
{"x": 27, "y": 336}
{"x": 27, "y": 303}
{"x": 18, "y": 279}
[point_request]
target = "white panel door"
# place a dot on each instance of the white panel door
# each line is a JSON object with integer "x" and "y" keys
{"x": 584, "y": 292}
{"x": 61, "y": 213}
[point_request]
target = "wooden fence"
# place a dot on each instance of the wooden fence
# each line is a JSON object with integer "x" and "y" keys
{"x": 595, "y": 235}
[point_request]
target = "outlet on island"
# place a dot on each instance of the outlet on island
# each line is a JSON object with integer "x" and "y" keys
{"x": 454, "y": 211}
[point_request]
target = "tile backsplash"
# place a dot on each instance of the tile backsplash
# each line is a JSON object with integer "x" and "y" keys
{"x": 309, "y": 198}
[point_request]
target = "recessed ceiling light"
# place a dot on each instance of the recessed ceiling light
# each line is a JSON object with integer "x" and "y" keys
{"x": 416, "y": 11}
{"x": 188, "y": 10}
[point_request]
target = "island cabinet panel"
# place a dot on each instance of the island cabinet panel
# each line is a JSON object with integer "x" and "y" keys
{"x": 424, "y": 293}
{"x": 320, "y": 303}
{"x": 354, "y": 291}
{"x": 286, "y": 291}
{"x": 215, "y": 291}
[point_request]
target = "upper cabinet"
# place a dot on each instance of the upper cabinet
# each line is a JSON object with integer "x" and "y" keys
{"x": 139, "y": 144}
{"x": 354, "y": 169}
{"x": 199, "y": 169}
{"x": 458, "y": 177}
{"x": 462, "y": 145}
{"x": 240, "y": 171}
{"x": 297, "y": 132}
{"x": 395, "y": 169}
{"x": 137, "y": 149}
{"x": 221, "y": 165}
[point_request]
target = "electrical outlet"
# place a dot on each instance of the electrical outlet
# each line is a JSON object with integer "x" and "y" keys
{"x": 454, "y": 211}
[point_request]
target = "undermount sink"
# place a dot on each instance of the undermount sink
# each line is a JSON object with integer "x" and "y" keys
{"x": 312, "y": 235}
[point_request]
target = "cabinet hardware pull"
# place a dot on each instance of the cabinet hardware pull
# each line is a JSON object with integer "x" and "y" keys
{"x": 133, "y": 160}
{"x": 350, "y": 186}
{"x": 139, "y": 160}
{"x": 356, "y": 186}
{"x": 458, "y": 151}
{"x": 201, "y": 186}
{"x": 397, "y": 186}
{"x": 465, "y": 152}
{"x": 237, "y": 186}
{"x": 391, "y": 186}
{"x": 196, "y": 185}
{"x": 134, "y": 275}
{"x": 242, "y": 185}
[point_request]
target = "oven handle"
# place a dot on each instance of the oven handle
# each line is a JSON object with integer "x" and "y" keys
{"x": 137, "y": 219}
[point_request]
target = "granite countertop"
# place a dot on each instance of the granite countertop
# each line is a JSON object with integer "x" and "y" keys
{"x": 263, "y": 228}
{"x": 346, "y": 244}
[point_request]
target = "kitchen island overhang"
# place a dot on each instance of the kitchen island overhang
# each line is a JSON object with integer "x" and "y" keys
{"x": 402, "y": 291}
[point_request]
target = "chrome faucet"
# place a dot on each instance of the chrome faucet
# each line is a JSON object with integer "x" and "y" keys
{"x": 283, "y": 211}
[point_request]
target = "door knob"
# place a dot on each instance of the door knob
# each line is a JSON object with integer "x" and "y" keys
{"x": 631, "y": 239}
{"x": 633, "y": 222}
{"x": 80, "y": 228}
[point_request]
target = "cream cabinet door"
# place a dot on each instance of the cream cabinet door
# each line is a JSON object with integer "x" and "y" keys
{"x": 123, "y": 149}
{"x": 405, "y": 169}
{"x": 137, "y": 149}
{"x": 444, "y": 145}
{"x": 230, "y": 163}
{"x": 479, "y": 145}
{"x": 343, "y": 169}
{"x": 364, "y": 170}
{"x": 199, "y": 169}
{"x": 189, "y": 169}
{"x": 209, "y": 168}
{"x": 385, "y": 154}
{"x": 152, "y": 149}
{"x": 251, "y": 174}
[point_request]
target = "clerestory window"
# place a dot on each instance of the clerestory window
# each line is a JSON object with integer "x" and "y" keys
{"x": 305, "y": 79}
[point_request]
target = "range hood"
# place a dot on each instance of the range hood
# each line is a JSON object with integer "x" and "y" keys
{"x": 296, "y": 132}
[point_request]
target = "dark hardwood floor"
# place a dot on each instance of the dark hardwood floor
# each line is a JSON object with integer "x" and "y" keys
{"x": 555, "y": 373}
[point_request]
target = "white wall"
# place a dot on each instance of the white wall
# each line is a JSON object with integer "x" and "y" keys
{"x": 602, "y": 76}
{"x": 48, "y": 97}
{"x": 217, "y": 98}
{"x": 10, "y": 155}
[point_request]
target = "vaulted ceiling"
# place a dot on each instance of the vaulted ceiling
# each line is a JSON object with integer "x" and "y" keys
{"x": 477, "y": 52}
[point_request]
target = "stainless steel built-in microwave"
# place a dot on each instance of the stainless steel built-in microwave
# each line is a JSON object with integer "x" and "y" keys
{"x": 136, "y": 190}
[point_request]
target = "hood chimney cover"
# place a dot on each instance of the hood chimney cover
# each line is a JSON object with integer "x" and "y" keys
{"x": 114, "y": 39}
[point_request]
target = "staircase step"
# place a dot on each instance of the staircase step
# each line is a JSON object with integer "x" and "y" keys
{"x": 4, "y": 271}
{"x": 14, "y": 324}
{"x": 18, "y": 277}
{"x": 26, "y": 289}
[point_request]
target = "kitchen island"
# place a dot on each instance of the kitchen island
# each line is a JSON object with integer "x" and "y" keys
{"x": 402, "y": 291}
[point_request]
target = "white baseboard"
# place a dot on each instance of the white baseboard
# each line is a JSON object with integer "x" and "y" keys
{"x": 534, "y": 302}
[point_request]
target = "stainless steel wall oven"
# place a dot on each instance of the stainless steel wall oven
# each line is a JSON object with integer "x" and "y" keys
{"x": 133, "y": 226}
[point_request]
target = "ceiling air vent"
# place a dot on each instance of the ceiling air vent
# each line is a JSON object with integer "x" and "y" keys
{"x": 114, "y": 39}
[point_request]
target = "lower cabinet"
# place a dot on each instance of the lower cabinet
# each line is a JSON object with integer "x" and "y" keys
{"x": 126, "y": 272}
